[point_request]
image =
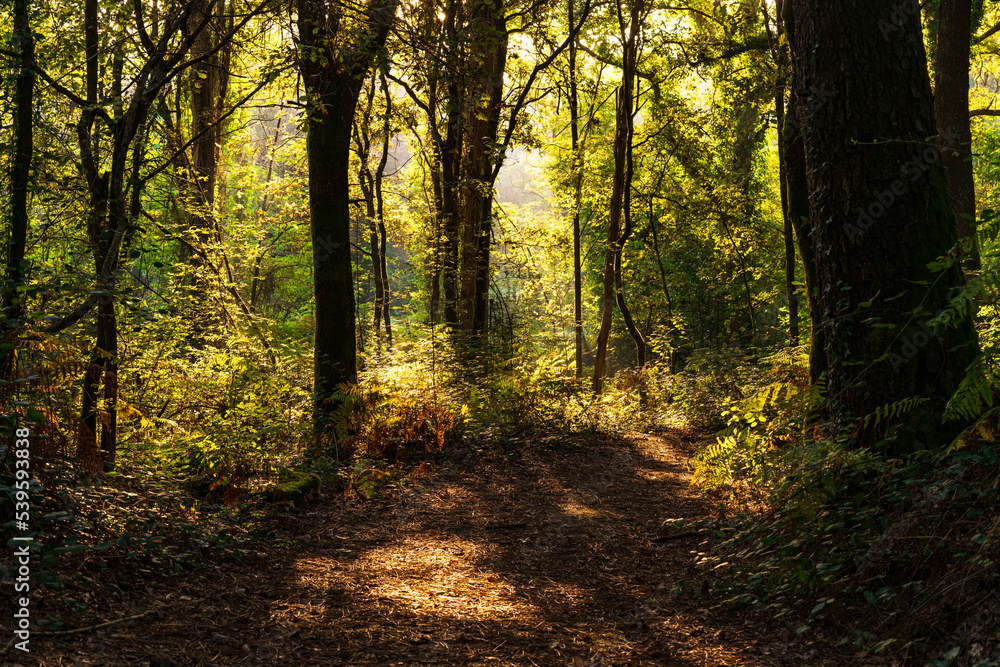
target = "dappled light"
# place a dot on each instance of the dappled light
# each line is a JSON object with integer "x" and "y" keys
{"x": 500, "y": 332}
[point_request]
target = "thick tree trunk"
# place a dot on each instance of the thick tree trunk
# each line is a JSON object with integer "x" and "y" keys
{"x": 20, "y": 169}
{"x": 483, "y": 106}
{"x": 202, "y": 170}
{"x": 327, "y": 146}
{"x": 450, "y": 161}
{"x": 881, "y": 217}
{"x": 492, "y": 155}
{"x": 951, "y": 111}
{"x": 333, "y": 83}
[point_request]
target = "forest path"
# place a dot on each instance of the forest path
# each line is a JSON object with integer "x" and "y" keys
{"x": 541, "y": 557}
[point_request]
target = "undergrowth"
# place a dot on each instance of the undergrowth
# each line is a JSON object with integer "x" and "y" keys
{"x": 891, "y": 553}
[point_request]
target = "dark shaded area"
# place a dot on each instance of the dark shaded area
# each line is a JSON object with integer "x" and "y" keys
{"x": 540, "y": 554}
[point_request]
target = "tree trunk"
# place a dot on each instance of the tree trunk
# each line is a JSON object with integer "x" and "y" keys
{"x": 483, "y": 106}
{"x": 327, "y": 146}
{"x": 380, "y": 216}
{"x": 333, "y": 83}
{"x": 493, "y": 155}
{"x": 88, "y": 451}
{"x": 369, "y": 183}
{"x": 622, "y": 143}
{"x": 640, "y": 344}
{"x": 789, "y": 231}
{"x": 20, "y": 169}
{"x": 663, "y": 272}
{"x": 951, "y": 111}
{"x": 793, "y": 159}
{"x": 881, "y": 218}
{"x": 450, "y": 158}
{"x": 203, "y": 168}
{"x": 577, "y": 175}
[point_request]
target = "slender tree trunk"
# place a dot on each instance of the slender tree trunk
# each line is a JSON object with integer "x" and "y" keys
{"x": 380, "y": 216}
{"x": 659, "y": 265}
{"x": 574, "y": 111}
{"x": 797, "y": 205}
{"x": 622, "y": 142}
{"x": 437, "y": 242}
{"x": 20, "y": 170}
{"x": 640, "y": 344}
{"x": 951, "y": 111}
{"x": 789, "y": 231}
{"x": 881, "y": 219}
{"x": 450, "y": 157}
{"x": 368, "y": 184}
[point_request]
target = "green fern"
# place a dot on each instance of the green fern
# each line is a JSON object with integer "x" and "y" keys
{"x": 892, "y": 411}
{"x": 975, "y": 393}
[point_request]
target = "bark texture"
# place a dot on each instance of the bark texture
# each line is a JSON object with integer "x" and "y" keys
{"x": 20, "y": 170}
{"x": 951, "y": 111}
{"x": 880, "y": 216}
{"x": 334, "y": 61}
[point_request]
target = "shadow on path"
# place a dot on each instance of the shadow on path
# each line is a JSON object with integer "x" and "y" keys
{"x": 542, "y": 557}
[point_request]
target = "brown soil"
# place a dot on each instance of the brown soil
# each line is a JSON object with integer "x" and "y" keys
{"x": 545, "y": 557}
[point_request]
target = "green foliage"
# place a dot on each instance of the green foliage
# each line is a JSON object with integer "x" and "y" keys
{"x": 750, "y": 455}
{"x": 903, "y": 547}
{"x": 876, "y": 547}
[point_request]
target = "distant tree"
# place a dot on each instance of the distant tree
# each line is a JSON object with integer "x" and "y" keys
{"x": 371, "y": 192}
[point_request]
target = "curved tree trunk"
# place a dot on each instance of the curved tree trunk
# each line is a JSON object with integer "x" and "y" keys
{"x": 622, "y": 143}
{"x": 383, "y": 306}
{"x": 640, "y": 344}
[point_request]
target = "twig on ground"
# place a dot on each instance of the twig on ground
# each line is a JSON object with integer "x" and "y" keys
{"x": 679, "y": 536}
{"x": 53, "y": 633}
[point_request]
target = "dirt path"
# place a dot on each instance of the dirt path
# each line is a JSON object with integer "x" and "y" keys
{"x": 539, "y": 558}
